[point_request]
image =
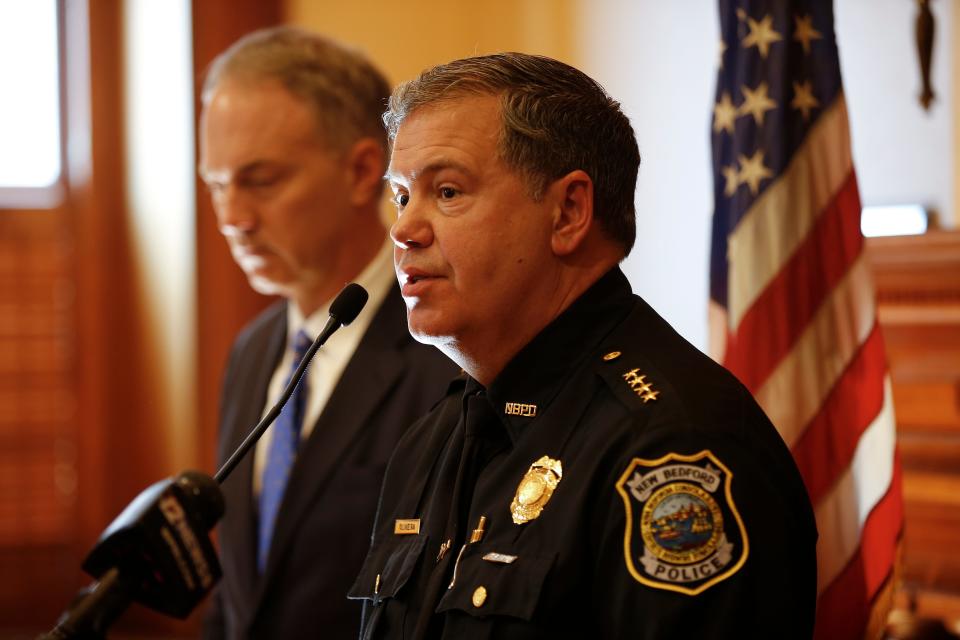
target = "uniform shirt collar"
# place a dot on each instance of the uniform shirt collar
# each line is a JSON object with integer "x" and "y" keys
{"x": 532, "y": 379}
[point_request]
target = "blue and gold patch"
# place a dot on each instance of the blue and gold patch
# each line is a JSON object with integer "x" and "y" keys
{"x": 683, "y": 531}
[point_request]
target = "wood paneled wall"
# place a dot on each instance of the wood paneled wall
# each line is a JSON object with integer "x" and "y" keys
{"x": 917, "y": 279}
{"x": 38, "y": 430}
{"x": 80, "y": 434}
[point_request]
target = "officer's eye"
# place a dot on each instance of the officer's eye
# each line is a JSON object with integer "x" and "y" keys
{"x": 447, "y": 193}
{"x": 401, "y": 200}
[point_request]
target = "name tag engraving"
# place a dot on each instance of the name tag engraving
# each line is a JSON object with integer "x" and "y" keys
{"x": 406, "y": 527}
{"x": 502, "y": 558}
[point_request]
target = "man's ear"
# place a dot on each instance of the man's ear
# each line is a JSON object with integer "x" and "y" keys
{"x": 364, "y": 164}
{"x": 573, "y": 216}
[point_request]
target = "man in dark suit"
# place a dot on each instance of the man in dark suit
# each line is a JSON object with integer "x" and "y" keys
{"x": 293, "y": 152}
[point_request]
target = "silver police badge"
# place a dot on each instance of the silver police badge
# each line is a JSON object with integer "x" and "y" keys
{"x": 683, "y": 531}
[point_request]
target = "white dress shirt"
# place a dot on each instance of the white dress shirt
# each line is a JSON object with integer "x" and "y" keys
{"x": 330, "y": 360}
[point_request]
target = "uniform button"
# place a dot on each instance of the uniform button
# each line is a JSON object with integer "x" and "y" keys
{"x": 613, "y": 355}
{"x": 479, "y": 596}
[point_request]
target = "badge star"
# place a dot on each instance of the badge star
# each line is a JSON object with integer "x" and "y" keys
{"x": 803, "y": 98}
{"x": 756, "y": 102}
{"x": 752, "y": 171}
{"x": 761, "y": 35}
{"x": 724, "y": 114}
{"x": 804, "y": 32}
{"x": 732, "y": 176}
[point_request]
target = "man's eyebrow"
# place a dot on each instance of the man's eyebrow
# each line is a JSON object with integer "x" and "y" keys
{"x": 433, "y": 167}
{"x": 206, "y": 174}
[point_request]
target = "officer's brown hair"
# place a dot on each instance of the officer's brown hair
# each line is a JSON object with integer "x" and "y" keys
{"x": 555, "y": 119}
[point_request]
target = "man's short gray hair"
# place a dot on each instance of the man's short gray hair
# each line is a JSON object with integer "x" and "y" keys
{"x": 345, "y": 90}
{"x": 555, "y": 119}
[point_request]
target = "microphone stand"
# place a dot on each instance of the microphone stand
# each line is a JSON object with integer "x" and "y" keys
{"x": 93, "y": 610}
{"x": 332, "y": 325}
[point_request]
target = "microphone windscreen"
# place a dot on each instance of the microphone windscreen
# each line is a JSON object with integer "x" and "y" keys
{"x": 203, "y": 497}
{"x": 348, "y": 303}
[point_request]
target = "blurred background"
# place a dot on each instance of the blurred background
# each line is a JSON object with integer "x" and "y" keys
{"x": 119, "y": 299}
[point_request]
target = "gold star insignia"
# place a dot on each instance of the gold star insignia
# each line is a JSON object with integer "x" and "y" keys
{"x": 732, "y": 177}
{"x": 761, "y": 35}
{"x": 724, "y": 114}
{"x": 804, "y": 32}
{"x": 803, "y": 98}
{"x": 640, "y": 385}
{"x": 752, "y": 171}
{"x": 756, "y": 102}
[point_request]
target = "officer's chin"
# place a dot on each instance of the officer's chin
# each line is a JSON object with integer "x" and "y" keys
{"x": 427, "y": 327}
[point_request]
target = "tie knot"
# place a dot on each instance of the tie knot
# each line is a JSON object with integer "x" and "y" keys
{"x": 301, "y": 342}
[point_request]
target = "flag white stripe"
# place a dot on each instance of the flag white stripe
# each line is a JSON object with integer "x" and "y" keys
{"x": 794, "y": 393}
{"x": 781, "y": 218}
{"x": 842, "y": 512}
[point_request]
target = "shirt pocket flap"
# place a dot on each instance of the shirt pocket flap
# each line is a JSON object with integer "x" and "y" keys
{"x": 387, "y": 568}
{"x": 490, "y": 588}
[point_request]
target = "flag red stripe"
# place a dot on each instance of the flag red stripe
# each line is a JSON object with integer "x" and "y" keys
{"x": 844, "y": 607}
{"x": 779, "y": 315}
{"x": 828, "y": 443}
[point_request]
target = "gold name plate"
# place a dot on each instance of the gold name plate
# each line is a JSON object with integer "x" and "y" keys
{"x": 406, "y": 527}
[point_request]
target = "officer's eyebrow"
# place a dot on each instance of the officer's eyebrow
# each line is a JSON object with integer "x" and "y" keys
{"x": 434, "y": 167}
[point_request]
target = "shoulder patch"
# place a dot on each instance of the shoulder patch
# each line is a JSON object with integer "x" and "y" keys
{"x": 683, "y": 532}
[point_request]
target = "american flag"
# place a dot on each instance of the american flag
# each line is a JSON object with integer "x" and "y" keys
{"x": 792, "y": 310}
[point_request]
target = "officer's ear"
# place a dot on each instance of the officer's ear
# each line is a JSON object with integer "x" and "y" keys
{"x": 573, "y": 213}
{"x": 364, "y": 164}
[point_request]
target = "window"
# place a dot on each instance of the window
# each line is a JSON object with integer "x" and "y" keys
{"x": 30, "y": 111}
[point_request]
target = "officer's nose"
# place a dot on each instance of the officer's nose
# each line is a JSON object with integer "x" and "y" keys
{"x": 412, "y": 228}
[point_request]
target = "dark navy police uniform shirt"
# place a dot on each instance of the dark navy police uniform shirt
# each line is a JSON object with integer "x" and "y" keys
{"x": 612, "y": 482}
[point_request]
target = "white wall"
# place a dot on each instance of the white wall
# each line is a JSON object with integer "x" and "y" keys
{"x": 658, "y": 58}
{"x": 902, "y": 154}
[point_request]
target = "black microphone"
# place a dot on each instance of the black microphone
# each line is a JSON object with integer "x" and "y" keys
{"x": 343, "y": 310}
{"x": 157, "y": 552}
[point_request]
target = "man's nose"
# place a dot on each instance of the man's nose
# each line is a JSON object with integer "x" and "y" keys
{"x": 412, "y": 229}
{"x": 235, "y": 213}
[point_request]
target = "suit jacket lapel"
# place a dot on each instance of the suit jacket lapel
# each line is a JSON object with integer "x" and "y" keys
{"x": 264, "y": 352}
{"x": 375, "y": 367}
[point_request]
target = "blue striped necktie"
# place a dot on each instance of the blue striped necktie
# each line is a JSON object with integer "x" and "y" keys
{"x": 283, "y": 451}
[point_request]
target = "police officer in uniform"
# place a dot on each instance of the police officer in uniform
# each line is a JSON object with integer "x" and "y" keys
{"x": 591, "y": 474}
